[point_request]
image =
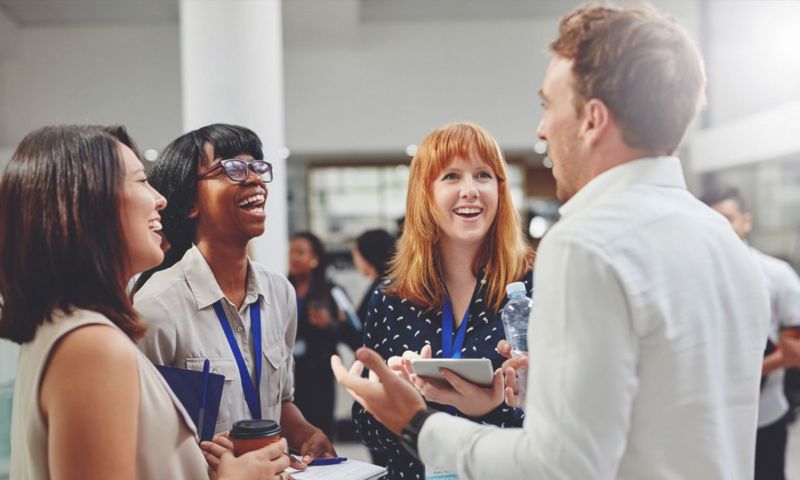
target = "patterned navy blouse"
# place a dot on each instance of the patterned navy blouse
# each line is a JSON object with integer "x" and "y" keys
{"x": 394, "y": 325}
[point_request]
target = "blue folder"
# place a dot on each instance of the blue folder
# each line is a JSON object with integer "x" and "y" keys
{"x": 188, "y": 387}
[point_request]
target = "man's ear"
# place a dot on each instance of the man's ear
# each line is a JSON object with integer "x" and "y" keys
{"x": 596, "y": 119}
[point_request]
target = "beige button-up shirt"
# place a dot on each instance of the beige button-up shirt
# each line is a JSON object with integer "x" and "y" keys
{"x": 177, "y": 304}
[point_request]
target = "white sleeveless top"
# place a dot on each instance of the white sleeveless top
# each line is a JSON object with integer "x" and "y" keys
{"x": 167, "y": 445}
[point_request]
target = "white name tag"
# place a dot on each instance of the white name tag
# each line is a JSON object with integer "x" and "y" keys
{"x": 435, "y": 473}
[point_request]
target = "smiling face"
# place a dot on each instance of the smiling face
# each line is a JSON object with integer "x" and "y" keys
{"x": 139, "y": 209}
{"x": 465, "y": 196}
{"x": 560, "y": 127}
{"x": 227, "y": 210}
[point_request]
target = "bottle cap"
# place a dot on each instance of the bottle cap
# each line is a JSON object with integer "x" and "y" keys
{"x": 254, "y": 429}
{"x": 515, "y": 287}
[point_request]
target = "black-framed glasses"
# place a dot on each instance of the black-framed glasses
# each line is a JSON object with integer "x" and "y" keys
{"x": 237, "y": 169}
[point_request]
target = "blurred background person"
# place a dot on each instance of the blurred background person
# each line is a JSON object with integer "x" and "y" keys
{"x": 782, "y": 351}
{"x": 462, "y": 244}
{"x": 320, "y": 321}
{"x": 88, "y": 404}
{"x": 371, "y": 254}
{"x": 215, "y": 181}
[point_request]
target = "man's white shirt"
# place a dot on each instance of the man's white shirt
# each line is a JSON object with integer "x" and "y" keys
{"x": 646, "y": 342}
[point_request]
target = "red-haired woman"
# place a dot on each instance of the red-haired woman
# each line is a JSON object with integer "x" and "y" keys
{"x": 462, "y": 244}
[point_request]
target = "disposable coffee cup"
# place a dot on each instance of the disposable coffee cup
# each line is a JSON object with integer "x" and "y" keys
{"x": 249, "y": 435}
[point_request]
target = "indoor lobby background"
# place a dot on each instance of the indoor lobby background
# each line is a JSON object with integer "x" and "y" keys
{"x": 341, "y": 91}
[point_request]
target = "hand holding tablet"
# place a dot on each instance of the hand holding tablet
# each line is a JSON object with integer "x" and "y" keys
{"x": 474, "y": 370}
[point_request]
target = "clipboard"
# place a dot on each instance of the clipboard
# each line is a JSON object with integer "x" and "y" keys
{"x": 187, "y": 385}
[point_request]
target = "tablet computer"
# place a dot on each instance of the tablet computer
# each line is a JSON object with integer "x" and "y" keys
{"x": 474, "y": 370}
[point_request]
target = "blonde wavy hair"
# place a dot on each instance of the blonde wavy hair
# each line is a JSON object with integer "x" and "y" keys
{"x": 504, "y": 255}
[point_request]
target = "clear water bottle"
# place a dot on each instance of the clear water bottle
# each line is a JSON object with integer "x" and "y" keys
{"x": 516, "y": 315}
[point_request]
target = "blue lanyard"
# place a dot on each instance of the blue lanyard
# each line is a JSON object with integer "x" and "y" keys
{"x": 251, "y": 394}
{"x": 450, "y": 348}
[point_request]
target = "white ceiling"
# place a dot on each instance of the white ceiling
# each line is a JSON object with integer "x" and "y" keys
{"x": 92, "y": 12}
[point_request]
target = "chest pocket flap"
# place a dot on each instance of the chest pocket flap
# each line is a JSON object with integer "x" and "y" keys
{"x": 227, "y": 368}
{"x": 275, "y": 368}
{"x": 276, "y": 355}
{"x": 221, "y": 366}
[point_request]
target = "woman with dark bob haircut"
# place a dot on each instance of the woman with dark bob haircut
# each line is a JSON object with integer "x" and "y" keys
{"x": 208, "y": 299}
{"x": 77, "y": 220}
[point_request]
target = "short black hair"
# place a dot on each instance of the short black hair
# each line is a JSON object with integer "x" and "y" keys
{"x": 721, "y": 193}
{"x": 174, "y": 175}
{"x": 377, "y": 248}
{"x": 60, "y": 230}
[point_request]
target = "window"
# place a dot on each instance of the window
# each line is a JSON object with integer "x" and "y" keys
{"x": 343, "y": 202}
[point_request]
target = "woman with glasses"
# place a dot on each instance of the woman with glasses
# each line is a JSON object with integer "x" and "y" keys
{"x": 208, "y": 300}
{"x": 87, "y": 403}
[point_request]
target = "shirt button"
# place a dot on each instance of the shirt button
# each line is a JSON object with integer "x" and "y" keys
{"x": 239, "y": 329}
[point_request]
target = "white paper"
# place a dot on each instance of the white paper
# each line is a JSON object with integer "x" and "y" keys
{"x": 347, "y": 470}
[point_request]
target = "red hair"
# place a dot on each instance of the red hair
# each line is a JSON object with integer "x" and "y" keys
{"x": 505, "y": 254}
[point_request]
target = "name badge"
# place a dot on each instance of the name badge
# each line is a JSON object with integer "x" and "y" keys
{"x": 436, "y": 473}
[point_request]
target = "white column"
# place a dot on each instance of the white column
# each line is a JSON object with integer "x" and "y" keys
{"x": 232, "y": 72}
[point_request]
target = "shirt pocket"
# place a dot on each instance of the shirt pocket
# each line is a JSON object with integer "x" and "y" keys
{"x": 275, "y": 356}
{"x": 227, "y": 368}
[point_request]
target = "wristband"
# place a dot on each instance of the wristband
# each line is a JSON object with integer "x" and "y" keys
{"x": 410, "y": 434}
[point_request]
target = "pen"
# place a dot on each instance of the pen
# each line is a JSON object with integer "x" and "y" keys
{"x": 292, "y": 456}
{"x": 327, "y": 461}
{"x": 203, "y": 399}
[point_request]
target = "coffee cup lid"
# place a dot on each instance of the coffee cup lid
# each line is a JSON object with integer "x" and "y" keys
{"x": 254, "y": 429}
